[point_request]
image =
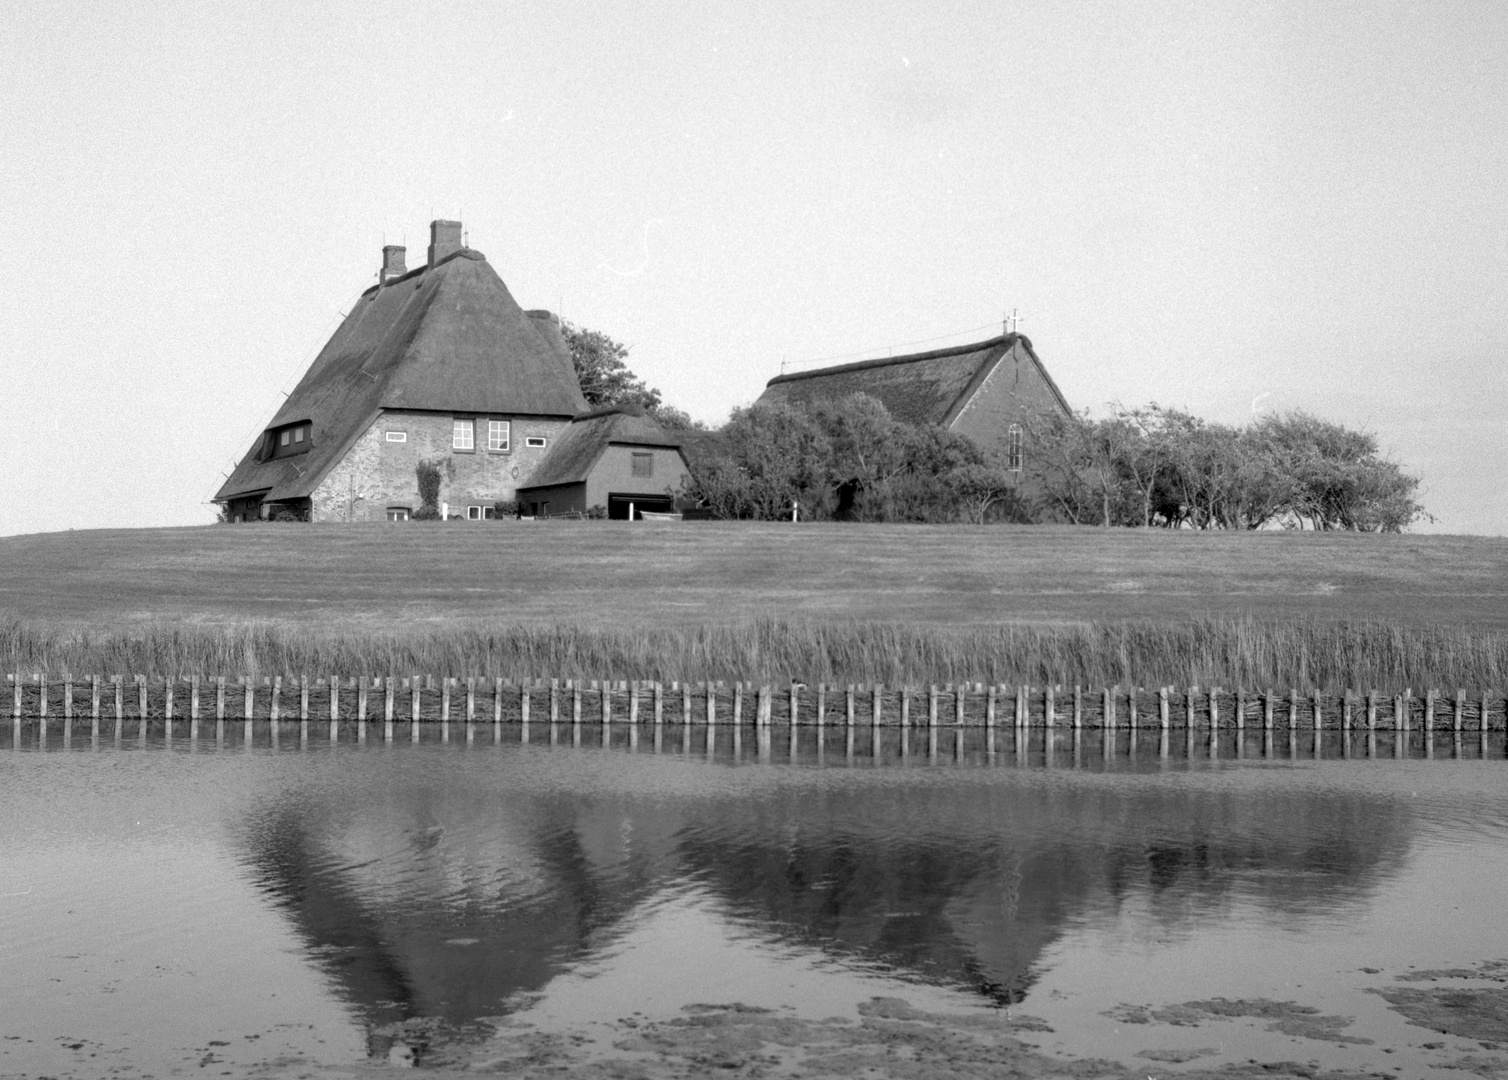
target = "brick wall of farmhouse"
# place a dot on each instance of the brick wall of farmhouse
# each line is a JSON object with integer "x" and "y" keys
{"x": 377, "y": 473}
{"x": 1013, "y": 393}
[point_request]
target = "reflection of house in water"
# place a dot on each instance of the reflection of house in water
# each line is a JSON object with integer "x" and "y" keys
{"x": 452, "y": 894}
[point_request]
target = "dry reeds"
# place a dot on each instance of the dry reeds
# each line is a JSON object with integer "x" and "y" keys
{"x": 1229, "y": 652}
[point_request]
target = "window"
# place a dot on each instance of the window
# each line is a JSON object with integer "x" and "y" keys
{"x": 497, "y": 435}
{"x": 644, "y": 465}
{"x": 473, "y": 513}
{"x": 397, "y": 513}
{"x": 534, "y": 440}
{"x": 1013, "y": 448}
{"x": 397, "y": 436}
{"x": 463, "y": 435}
{"x": 293, "y": 439}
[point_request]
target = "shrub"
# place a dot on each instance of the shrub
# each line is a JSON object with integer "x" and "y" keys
{"x": 429, "y": 491}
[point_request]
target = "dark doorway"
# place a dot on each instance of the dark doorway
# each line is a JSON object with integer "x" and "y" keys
{"x": 617, "y": 505}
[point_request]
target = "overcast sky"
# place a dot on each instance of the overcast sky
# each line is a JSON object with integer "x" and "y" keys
{"x": 1229, "y": 207}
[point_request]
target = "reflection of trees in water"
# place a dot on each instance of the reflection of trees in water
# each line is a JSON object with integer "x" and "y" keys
{"x": 960, "y": 882}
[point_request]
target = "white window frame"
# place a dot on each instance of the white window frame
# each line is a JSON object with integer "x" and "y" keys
{"x": 397, "y": 436}
{"x": 404, "y": 511}
{"x": 499, "y": 436}
{"x": 474, "y": 513}
{"x": 534, "y": 440}
{"x": 463, "y": 434}
{"x": 1013, "y": 448}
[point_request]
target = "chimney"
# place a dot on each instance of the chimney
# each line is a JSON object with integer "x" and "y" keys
{"x": 392, "y": 263}
{"x": 444, "y": 240}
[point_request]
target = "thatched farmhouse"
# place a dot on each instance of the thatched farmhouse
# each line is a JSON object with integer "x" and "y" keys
{"x": 436, "y": 365}
{"x": 991, "y": 391}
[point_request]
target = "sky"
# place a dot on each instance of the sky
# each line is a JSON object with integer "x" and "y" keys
{"x": 1226, "y": 207}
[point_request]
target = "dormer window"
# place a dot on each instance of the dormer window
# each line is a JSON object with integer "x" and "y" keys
{"x": 290, "y": 440}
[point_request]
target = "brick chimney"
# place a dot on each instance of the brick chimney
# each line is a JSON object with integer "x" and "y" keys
{"x": 444, "y": 240}
{"x": 392, "y": 263}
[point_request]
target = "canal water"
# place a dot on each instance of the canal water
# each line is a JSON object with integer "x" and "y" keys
{"x": 272, "y": 901}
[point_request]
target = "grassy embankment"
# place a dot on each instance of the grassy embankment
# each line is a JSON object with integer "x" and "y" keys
{"x": 893, "y": 604}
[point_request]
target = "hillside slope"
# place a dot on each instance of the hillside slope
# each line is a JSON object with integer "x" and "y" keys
{"x": 616, "y": 574}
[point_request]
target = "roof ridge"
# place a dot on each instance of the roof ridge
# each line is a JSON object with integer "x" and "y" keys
{"x": 463, "y": 253}
{"x": 931, "y": 354}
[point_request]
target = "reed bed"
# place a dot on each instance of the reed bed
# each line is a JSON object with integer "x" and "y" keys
{"x": 1224, "y": 651}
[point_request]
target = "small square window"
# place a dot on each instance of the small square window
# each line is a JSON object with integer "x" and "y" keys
{"x": 534, "y": 440}
{"x": 298, "y": 434}
{"x": 473, "y": 513}
{"x": 497, "y": 434}
{"x": 283, "y": 439}
{"x": 463, "y": 434}
{"x": 397, "y": 513}
{"x": 397, "y": 436}
{"x": 644, "y": 465}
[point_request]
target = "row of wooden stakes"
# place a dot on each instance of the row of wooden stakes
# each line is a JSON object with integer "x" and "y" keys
{"x": 420, "y": 698}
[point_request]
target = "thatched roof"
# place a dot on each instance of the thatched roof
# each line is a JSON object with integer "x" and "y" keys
{"x": 578, "y": 448}
{"x": 922, "y": 388}
{"x": 447, "y": 338}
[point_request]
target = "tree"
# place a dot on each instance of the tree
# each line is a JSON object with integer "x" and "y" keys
{"x": 768, "y": 457}
{"x": 606, "y": 380}
{"x": 1161, "y": 466}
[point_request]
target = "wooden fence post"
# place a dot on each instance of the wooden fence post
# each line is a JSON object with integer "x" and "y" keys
{"x": 277, "y": 693}
{"x": 879, "y": 693}
{"x": 659, "y": 701}
{"x": 1049, "y": 706}
{"x": 1107, "y": 717}
{"x": 1429, "y": 709}
{"x": 1267, "y": 709}
{"x": 932, "y": 706}
{"x": 686, "y": 702}
{"x": 1319, "y": 709}
{"x": 1372, "y": 709}
{"x": 1162, "y": 707}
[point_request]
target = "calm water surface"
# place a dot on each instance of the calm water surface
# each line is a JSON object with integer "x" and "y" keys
{"x": 219, "y": 906}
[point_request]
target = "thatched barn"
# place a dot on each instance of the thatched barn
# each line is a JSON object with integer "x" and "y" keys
{"x": 991, "y": 391}
{"x": 616, "y": 458}
{"x": 436, "y": 365}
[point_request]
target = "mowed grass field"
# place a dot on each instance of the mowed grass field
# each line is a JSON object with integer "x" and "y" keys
{"x": 762, "y": 601}
{"x": 695, "y": 573}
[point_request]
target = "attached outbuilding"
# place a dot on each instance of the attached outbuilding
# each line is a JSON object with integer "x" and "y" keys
{"x": 616, "y": 458}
